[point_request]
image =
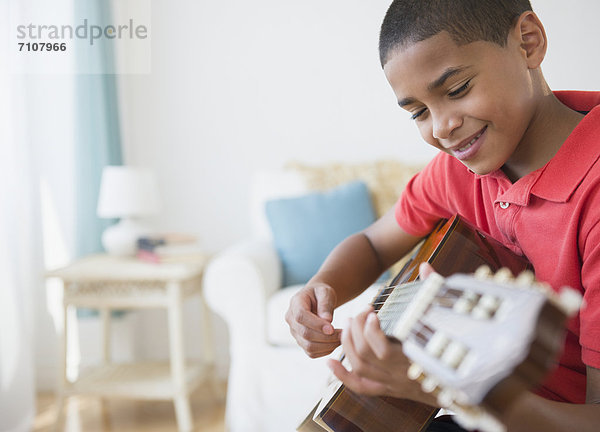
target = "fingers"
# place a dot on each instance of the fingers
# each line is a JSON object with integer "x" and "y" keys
{"x": 326, "y": 300}
{"x": 378, "y": 341}
{"x": 314, "y": 333}
{"x": 314, "y": 342}
{"x": 319, "y": 349}
{"x": 308, "y": 325}
{"x": 359, "y": 352}
{"x": 425, "y": 269}
{"x": 378, "y": 365}
{"x": 355, "y": 382}
{"x": 356, "y": 338}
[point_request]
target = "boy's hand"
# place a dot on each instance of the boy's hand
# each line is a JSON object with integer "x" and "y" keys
{"x": 425, "y": 269}
{"x": 376, "y": 362}
{"x": 310, "y": 315}
{"x": 379, "y": 367}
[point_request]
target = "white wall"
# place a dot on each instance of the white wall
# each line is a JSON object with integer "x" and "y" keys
{"x": 573, "y": 60}
{"x": 239, "y": 86}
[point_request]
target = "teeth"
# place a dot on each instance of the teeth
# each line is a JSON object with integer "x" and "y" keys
{"x": 470, "y": 142}
{"x": 466, "y": 147}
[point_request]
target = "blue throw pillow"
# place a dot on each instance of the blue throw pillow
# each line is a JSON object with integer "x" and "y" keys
{"x": 306, "y": 228}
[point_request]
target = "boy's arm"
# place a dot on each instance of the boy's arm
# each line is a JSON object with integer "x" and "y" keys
{"x": 531, "y": 412}
{"x": 351, "y": 267}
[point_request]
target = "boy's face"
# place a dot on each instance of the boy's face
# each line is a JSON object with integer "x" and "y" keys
{"x": 473, "y": 101}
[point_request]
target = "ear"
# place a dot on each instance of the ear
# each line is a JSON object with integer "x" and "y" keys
{"x": 531, "y": 38}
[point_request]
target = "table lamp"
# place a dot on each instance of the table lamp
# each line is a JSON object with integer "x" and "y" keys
{"x": 128, "y": 193}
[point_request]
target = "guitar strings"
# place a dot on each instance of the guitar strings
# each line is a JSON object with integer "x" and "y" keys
{"x": 396, "y": 302}
{"x": 391, "y": 297}
{"x": 444, "y": 298}
{"x": 404, "y": 288}
{"x": 395, "y": 299}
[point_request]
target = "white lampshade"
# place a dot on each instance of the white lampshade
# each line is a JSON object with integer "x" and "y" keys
{"x": 127, "y": 192}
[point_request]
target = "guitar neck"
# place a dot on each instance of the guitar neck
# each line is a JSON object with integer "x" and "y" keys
{"x": 394, "y": 301}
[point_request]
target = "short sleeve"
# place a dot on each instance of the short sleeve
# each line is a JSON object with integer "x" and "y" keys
{"x": 426, "y": 198}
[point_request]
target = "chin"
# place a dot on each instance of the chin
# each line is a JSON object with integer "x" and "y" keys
{"x": 481, "y": 169}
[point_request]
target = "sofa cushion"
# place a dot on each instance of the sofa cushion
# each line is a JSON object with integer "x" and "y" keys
{"x": 270, "y": 185}
{"x": 278, "y": 332}
{"x": 386, "y": 179}
{"x": 306, "y": 228}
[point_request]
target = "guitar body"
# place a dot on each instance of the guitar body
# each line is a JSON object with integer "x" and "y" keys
{"x": 453, "y": 247}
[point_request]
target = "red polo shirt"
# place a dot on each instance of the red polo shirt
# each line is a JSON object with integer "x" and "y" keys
{"x": 551, "y": 215}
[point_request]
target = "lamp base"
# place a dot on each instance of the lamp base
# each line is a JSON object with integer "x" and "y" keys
{"x": 121, "y": 238}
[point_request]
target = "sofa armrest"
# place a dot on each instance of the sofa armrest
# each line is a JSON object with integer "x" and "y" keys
{"x": 239, "y": 281}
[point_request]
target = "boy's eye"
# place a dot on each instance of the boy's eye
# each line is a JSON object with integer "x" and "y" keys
{"x": 418, "y": 114}
{"x": 460, "y": 90}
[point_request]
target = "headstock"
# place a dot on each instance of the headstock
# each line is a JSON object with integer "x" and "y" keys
{"x": 466, "y": 335}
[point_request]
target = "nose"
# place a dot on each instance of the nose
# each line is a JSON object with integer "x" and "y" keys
{"x": 444, "y": 124}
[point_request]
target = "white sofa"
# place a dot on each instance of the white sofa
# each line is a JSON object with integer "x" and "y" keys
{"x": 272, "y": 384}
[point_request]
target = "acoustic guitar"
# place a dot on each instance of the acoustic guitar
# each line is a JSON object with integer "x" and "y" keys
{"x": 474, "y": 341}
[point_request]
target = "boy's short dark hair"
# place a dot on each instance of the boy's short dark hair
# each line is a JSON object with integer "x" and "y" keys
{"x": 411, "y": 21}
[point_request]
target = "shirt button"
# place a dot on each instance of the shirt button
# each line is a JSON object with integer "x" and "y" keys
{"x": 504, "y": 205}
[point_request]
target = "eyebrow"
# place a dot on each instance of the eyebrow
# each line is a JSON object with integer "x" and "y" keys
{"x": 448, "y": 73}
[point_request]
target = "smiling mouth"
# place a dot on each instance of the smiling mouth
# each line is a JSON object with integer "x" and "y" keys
{"x": 473, "y": 141}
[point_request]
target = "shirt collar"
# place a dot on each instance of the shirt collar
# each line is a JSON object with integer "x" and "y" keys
{"x": 578, "y": 153}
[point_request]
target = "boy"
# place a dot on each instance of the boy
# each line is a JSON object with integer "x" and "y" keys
{"x": 516, "y": 160}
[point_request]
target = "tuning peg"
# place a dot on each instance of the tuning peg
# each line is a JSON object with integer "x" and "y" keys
{"x": 462, "y": 306}
{"x": 489, "y": 302}
{"x": 465, "y": 416}
{"x": 481, "y": 313}
{"x": 454, "y": 354}
{"x": 525, "y": 279}
{"x": 437, "y": 343}
{"x": 428, "y": 384}
{"x": 486, "y": 307}
{"x": 414, "y": 372}
{"x": 570, "y": 300}
{"x": 544, "y": 288}
{"x": 445, "y": 398}
{"x": 483, "y": 272}
{"x": 466, "y": 302}
{"x": 503, "y": 275}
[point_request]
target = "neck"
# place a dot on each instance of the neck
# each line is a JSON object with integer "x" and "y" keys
{"x": 550, "y": 126}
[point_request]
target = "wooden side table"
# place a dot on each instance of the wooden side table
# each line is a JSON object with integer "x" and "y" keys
{"x": 107, "y": 282}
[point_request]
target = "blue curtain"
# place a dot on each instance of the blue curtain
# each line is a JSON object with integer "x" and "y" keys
{"x": 97, "y": 130}
{"x": 97, "y": 134}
